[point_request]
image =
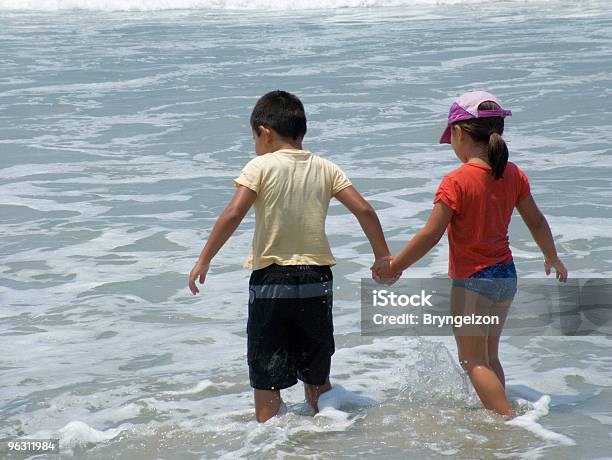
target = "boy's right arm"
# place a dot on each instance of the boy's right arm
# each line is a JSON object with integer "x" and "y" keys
{"x": 368, "y": 219}
{"x": 225, "y": 226}
{"x": 540, "y": 230}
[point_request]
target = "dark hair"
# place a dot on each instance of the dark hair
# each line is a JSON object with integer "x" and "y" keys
{"x": 281, "y": 111}
{"x": 489, "y": 130}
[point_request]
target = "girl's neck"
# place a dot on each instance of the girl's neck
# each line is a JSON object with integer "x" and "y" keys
{"x": 478, "y": 154}
{"x": 478, "y": 160}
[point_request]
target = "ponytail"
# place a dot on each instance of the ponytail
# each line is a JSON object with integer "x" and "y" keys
{"x": 497, "y": 152}
{"x": 488, "y": 131}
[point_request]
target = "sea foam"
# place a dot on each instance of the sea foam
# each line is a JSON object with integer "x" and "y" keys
{"x": 529, "y": 419}
{"x": 160, "y": 5}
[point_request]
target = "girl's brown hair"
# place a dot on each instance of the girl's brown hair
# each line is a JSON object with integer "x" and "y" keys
{"x": 489, "y": 131}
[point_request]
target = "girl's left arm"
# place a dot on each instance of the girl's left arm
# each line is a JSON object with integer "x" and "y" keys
{"x": 424, "y": 240}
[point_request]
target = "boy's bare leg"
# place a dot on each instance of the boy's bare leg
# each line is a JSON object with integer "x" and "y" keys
{"x": 267, "y": 404}
{"x": 312, "y": 393}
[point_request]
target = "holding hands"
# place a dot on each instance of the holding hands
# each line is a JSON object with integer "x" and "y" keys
{"x": 382, "y": 273}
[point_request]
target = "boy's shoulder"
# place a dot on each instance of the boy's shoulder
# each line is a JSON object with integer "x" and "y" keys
{"x": 261, "y": 163}
{"x": 323, "y": 161}
{"x": 257, "y": 160}
{"x": 272, "y": 158}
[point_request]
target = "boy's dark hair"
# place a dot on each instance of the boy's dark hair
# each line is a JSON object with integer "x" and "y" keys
{"x": 281, "y": 111}
{"x": 489, "y": 130}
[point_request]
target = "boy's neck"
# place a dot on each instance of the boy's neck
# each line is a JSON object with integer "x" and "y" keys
{"x": 283, "y": 146}
{"x": 275, "y": 143}
{"x": 286, "y": 144}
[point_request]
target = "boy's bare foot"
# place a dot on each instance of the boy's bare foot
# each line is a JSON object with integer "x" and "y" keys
{"x": 312, "y": 393}
{"x": 267, "y": 404}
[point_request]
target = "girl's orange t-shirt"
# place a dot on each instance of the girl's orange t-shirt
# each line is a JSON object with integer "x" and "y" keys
{"x": 482, "y": 208}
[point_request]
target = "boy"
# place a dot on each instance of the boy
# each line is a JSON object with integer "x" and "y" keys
{"x": 289, "y": 328}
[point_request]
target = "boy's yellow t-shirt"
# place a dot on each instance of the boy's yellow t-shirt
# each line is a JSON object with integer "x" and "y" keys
{"x": 294, "y": 188}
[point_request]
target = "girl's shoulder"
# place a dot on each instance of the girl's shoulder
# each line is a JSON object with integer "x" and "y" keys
{"x": 515, "y": 170}
{"x": 469, "y": 174}
{"x": 513, "y": 166}
{"x": 467, "y": 170}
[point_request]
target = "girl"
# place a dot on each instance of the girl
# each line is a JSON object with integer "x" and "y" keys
{"x": 475, "y": 202}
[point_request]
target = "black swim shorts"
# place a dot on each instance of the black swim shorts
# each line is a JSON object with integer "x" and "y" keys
{"x": 290, "y": 329}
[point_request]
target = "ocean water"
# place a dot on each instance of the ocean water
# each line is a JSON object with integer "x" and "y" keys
{"x": 122, "y": 126}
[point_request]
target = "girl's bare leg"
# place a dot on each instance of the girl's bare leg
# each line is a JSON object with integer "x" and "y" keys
{"x": 501, "y": 310}
{"x": 472, "y": 345}
{"x": 493, "y": 346}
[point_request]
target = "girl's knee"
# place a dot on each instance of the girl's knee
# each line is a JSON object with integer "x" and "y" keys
{"x": 469, "y": 364}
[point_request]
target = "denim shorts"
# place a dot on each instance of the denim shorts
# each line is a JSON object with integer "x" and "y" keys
{"x": 497, "y": 282}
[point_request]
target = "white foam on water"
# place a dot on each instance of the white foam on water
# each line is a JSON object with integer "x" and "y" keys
{"x": 96, "y": 287}
{"x": 293, "y": 422}
{"x": 604, "y": 419}
{"x": 28, "y": 170}
{"x": 529, "y": 421}
{"x": 331, "y": 402}
{"x": 78, "y": 434}
{"x": 339, "y": 397}
{"x": 199, "y": 388}
{"x": 111, "y": 414}
{"x": 160, "y": 5}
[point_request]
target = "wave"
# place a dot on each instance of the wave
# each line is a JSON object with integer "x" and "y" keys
{"x": 161, "y": 5}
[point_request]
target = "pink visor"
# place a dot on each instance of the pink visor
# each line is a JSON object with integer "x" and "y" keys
{"x": 466, "y": 108}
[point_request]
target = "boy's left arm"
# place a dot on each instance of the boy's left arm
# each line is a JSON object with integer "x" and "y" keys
{"x": 421, "y": 243}
{"x": 226, "y": 224}
{"x": 368, "y": 219}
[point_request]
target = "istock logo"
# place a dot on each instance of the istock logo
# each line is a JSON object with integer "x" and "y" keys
{"x": 384, "y": 298}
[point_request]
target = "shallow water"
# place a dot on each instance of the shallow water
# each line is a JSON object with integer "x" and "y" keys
{"x": 121, "y": 133}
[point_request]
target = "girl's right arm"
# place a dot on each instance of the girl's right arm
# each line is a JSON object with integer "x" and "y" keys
{"x": 540, "y": 230}
{"x": 424, "y": 240}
